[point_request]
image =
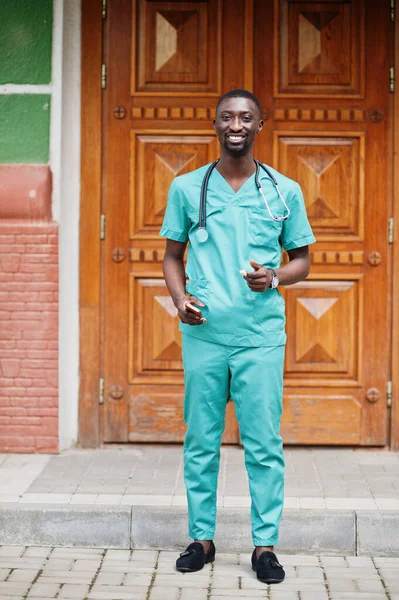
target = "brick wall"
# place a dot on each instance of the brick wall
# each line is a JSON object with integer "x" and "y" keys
{"x": 28, "y": 337}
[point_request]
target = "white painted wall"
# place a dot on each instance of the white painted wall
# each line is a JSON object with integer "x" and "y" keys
{"x": 65, "y": 164}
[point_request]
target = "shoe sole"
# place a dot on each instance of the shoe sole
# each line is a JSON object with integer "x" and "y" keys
{"x": 268, "y": 580}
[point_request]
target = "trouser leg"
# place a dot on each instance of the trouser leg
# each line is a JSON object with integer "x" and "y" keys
{"x": 206, "y": 379}
{"x": 256, "y": 388}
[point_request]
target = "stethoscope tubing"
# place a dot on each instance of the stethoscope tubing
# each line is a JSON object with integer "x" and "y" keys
{"x": 204, "y": 188}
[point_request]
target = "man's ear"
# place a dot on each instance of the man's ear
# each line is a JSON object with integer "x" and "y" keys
{"x": 260, "y": 126}
{"x": 214, "y": 124}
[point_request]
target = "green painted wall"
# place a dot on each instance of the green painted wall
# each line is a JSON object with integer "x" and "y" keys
{"x": 24, "y": 128}
{"x": 25, "y": 34}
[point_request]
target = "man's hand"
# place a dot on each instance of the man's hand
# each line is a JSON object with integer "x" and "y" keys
{"x": 187, "y": 316}
{"x": 259, "y": 279}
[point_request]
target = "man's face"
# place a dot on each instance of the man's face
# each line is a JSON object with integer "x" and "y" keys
{"x": 237, "y": 122}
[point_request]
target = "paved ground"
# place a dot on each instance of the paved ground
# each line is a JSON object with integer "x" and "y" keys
{"x": 315, "y": 478}
{"x": 96, "y": 574}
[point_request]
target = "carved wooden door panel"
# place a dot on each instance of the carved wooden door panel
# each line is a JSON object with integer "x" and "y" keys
{"x": 167, "y": 63}
{"x": 327, "y": 99}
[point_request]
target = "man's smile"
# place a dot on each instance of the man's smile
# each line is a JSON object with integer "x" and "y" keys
{"x": 234, "y": 137}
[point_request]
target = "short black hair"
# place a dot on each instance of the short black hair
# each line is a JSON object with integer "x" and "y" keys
{"x": 239, "y": 93}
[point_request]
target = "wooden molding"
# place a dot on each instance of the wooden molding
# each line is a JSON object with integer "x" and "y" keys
{"x": 394, "y": 433}
{"x": 90, "y": 208}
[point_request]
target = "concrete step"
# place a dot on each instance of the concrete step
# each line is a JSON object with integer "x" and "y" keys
{"x": 304, "y": 531}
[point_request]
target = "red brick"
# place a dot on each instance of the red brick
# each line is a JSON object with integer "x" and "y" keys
{"x": 7, "y": 239}
{"x": 7, "y": 344}
{"x": 10, "y": 367}
{"x": 40, "y": 335}
{"x": 10, "y": 335}
{"x": 52, "y": 354}
{"x": 31, "y": 239}
{"x": 14, "y": 411}
{"x": 48, "y": 402}
{"x": 26, "y": 296}
{"x": 23, "y": 381}
{"x": 13, "y": 354}
{"x": 14, "y": 248}
{"x": 26, "y": 402}
{"x": 12, "y": 306}
{"x": 47, "y": 445}
{"x": 5, "y": 316}
{"x": 39, "y": 391}
{"x": 4, "y": 382}
{"x": 42, "y": 306}
{"x": 32, "y": 345}
{"x": 42, "y": 412}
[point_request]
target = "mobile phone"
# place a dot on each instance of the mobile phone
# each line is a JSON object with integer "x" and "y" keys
{"x": 193, "y": 309}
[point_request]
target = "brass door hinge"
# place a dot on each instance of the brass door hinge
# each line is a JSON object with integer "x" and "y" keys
{"x": 101, "y": 391}
{"x": 102, "y": 227}
{"x": 389, "y": 393}
{"x": 103, "y": 76}
{"x": 393, "y": 10}
{"x": 391, "y": 224}
{"x": 392, "y": 80}
{"x": 105, "y": 8}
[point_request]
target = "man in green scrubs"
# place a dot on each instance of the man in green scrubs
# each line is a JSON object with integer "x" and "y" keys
{"x": 232, "y": 318}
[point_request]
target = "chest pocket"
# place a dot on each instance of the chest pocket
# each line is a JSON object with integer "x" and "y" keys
{"x": 264, "y": 230}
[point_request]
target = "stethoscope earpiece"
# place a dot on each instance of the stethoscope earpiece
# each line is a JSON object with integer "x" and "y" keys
{"x": 202, "y": 234}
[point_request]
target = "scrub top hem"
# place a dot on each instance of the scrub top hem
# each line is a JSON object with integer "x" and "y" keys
{"x": 269, "y": 339}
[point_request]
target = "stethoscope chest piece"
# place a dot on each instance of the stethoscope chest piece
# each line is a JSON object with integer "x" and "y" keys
{"x": 202, "y": 234}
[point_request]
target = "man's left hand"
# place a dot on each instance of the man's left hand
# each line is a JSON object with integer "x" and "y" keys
{"x": 259, "y": 279}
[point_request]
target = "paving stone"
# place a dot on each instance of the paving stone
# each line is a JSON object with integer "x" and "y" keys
{"x": 4, "y": 573}
{"x": 308, "y": 573}
{"x": 167, "y": 593}
{"x": 181, "y": 580}
{"x": 108, "y": 592}
{"x": 135, "y": 579}
{"x": 87, "y": 565}
{"x": 242, "y": 594}
{"x": 333, "y": 561}
{"x": 320, "y": 595}
{"x": 10, "y": 551}
{"x": 44, "y": 590}
{"x": 357, "y": 596}
{"x": 118, "y": 555}
{"x": 58, "y": 564}
{"x": 194, "y": 595}
{"x": 23, "y": 575}
{"x": 281, "y": 594}
{"x": 110, "y": 578}
{"x": 71, "y": 591}
{"x": 37, "y": 552}
{"x": 21, "y": 563}
{"x": 14, "y": 588}
{"x": 66, "y": 577}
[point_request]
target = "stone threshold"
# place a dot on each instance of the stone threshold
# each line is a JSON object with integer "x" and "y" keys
{"x": 321, "y": 531}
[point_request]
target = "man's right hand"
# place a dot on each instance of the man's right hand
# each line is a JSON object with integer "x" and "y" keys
{"x": 187, "y": 316}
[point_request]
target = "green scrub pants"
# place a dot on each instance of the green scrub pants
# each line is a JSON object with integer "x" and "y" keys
{"x": 254, "y": 379}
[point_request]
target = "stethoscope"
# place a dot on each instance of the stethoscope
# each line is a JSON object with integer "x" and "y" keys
{"x": 202, "y": 234}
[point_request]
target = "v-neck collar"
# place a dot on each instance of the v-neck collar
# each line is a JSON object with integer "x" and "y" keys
{"x": 225, "y": 186}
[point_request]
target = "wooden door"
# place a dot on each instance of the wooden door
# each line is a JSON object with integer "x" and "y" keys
{"x": 324, "y": 88}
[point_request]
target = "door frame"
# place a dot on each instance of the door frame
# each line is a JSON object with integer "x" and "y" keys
{"x": 90, "y": 348}
{"x": 90, "y": 215}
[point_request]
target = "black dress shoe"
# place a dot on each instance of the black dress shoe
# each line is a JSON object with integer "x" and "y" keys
{"x": 267, "y": 567}
{"x": 194, "y": 557}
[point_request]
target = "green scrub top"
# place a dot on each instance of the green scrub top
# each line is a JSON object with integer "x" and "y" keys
{"x": 240, "y": 229}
